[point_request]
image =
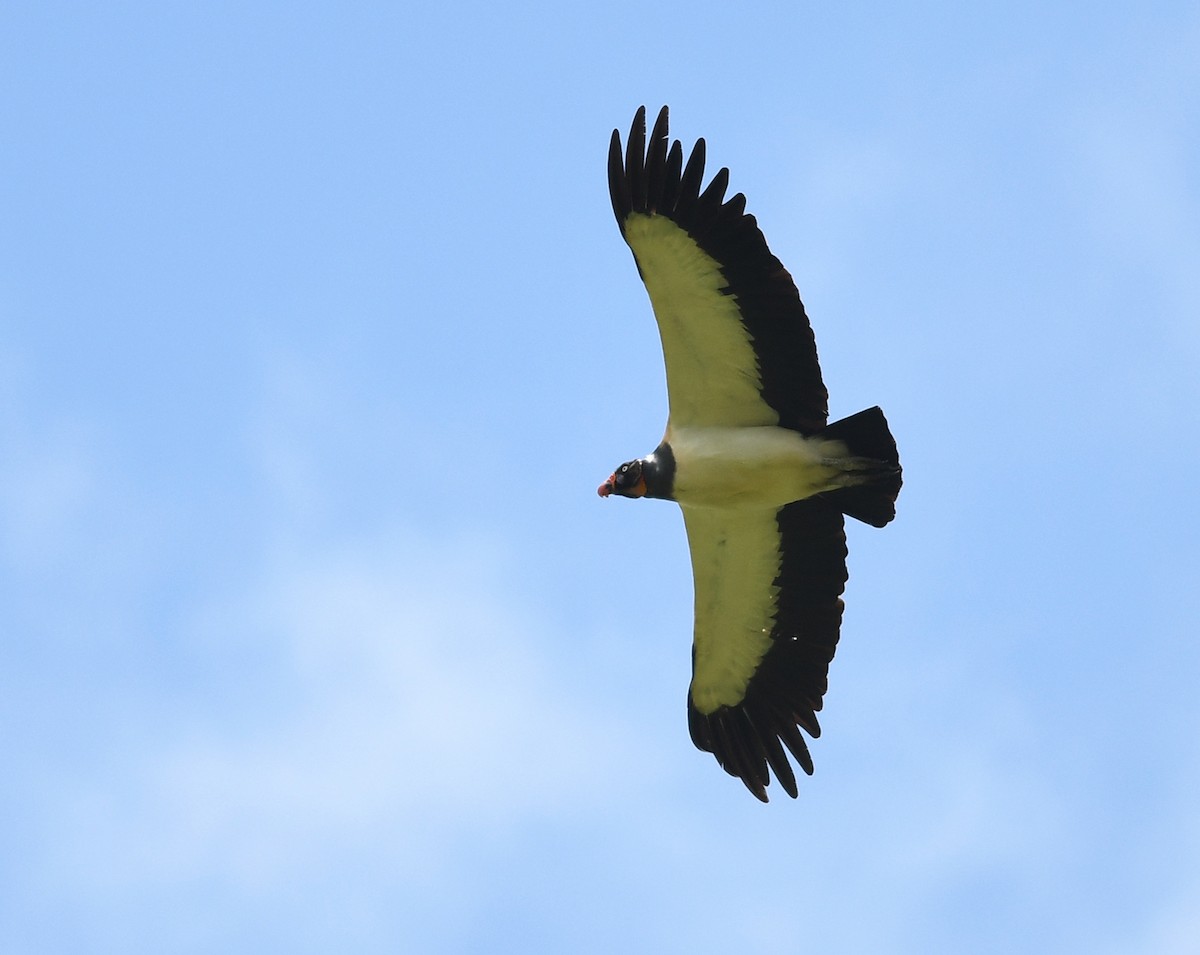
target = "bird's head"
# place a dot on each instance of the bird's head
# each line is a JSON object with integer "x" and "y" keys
{"x": 627, "y": 481}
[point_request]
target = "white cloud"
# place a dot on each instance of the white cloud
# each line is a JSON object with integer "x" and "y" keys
{"x": 1174, "y": 928}
{"x": 400, "y": 686}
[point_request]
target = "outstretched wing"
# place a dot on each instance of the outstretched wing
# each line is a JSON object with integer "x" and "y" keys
{"x": 768, "y": 613}
{"x": 737, "y": 344}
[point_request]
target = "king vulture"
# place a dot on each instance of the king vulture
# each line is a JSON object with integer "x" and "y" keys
{"x": 761, "y": 477}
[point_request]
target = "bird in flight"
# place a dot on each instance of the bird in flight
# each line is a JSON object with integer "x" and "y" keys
{"x": 762, "y": 478}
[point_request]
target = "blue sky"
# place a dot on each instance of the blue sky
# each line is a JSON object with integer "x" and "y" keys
{"x": 316, "y": 337}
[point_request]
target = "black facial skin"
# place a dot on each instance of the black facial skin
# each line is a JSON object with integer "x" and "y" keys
{"x": 651, "y": 476}
{"x": 626, "y": 478}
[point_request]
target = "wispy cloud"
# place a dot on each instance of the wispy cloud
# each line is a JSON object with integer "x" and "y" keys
{"x": 392, "y": 704}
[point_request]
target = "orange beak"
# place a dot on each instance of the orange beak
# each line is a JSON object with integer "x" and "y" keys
{"x": 605, "y": 489}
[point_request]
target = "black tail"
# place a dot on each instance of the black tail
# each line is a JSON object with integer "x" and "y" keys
{"x": 866, "y": 435}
